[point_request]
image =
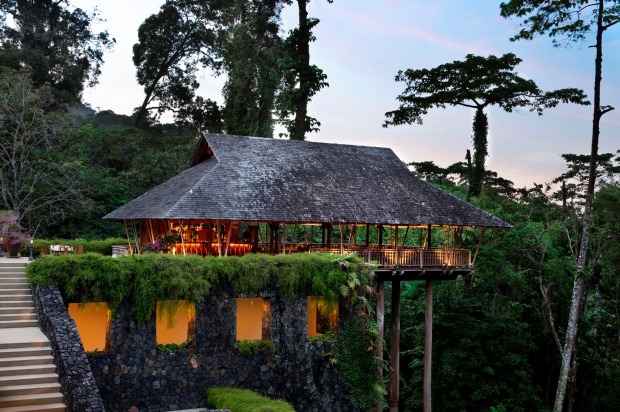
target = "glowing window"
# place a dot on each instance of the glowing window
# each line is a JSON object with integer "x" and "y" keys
{"x": 322, "y": 316}
{"x": 253, "y": 316}
{"x": 174, "y": 321}
{"x": 92, "y": 321}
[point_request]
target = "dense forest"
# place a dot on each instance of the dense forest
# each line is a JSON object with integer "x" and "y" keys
{"x": 503, "y": 338}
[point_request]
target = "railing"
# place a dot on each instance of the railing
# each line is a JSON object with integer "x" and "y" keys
{"x": 386, "y": 257}
{"x": 418, "y": 257}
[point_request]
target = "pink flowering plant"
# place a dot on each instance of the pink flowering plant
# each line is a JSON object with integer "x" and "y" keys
{"x": 11, "y": 230}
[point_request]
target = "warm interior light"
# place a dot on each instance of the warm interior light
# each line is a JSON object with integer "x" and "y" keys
{"x": 322, "y": 316}
{"x": 92, "y": 321}
{"x": 172, "y": 321}
{"x": 250, "y": 318}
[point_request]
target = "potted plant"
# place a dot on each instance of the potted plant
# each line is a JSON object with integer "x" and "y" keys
{"x": 13, "y": 234}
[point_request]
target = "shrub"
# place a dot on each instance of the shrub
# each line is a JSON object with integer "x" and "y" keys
{"x": 242, "y": 400}
{"x": 256, "y": 347}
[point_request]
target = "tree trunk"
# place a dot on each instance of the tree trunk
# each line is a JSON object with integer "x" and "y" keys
{"x": 303, "y": 47}
{"x": 481, "y": 126}
{"x": 579, "y": 282}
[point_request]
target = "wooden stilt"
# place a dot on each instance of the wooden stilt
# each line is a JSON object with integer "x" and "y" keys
{"x": 341, "y": 239}
{"x": 395, "y": 346}
{"x": 428, "y": 345}
{"x": 380, "y": 329}
{"x": 219, "y": 241}
{"x": 135, "y": 235}
{"x": 228, "y": 232}
{"x": 182, "y": 236}
{"x": 128, "y": 238}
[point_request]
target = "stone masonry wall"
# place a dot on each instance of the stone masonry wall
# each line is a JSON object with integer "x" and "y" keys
{"x": 76, "y": 378}
{"x": 133, "y": 375}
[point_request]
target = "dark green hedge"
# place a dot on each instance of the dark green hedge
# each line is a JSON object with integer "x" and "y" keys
{"x": 148, "y": 278}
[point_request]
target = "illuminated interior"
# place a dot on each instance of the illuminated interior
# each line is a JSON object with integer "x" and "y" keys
{"x": 172, "y": 321}
{"x": 92, "y": 321}
{"x": 322, "y": 316}
{"x": 250, "y": 312}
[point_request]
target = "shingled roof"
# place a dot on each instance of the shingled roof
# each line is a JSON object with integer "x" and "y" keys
{"x": 275, "y": 180}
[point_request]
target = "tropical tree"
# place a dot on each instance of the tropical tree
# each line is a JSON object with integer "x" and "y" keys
{"x": 250, "y": 47}
{"x": 56, "y": 42}
{"x": 172, "y": 45}
{"x": 477, "y": 82}
{"x": 33, "y": 177}
{"x": 301, "y": 80}
{"x": 570, "y": 21}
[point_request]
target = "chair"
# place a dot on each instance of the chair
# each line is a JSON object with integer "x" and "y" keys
{"x": 42, "y": 250}
{"x": 79, "y": 250}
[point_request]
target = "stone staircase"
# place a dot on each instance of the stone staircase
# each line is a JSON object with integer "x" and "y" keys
{"x": 28, "y": 379}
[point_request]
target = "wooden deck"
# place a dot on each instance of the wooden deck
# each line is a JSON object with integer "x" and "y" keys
{"x": 388, "y": 259}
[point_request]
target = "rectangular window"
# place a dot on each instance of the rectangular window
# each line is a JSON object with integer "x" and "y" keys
{"x": 253, "y": 315}
{"x": 92, "y": 321}
{"x": 322, "y": 316}
{"x": 174, "y": 321}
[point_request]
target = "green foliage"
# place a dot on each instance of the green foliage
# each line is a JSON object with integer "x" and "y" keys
{"x": 249, "y": 347}
{"x": 56, "y": 40}
{"x": 173, "y": 347}
{"x": 146, "y": 279}
{"x": 243, "y": 400}
{"x": 172, "y": 46}
{"x": 355, "y": 357}
{"x": 477, "y": 82}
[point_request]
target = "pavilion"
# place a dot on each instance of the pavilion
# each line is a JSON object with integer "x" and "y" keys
{"x": 249, "y": 194}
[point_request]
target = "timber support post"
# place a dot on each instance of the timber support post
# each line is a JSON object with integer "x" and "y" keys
{"x": 428, "y": 345}
{"x": 395, "y": 348}
{"x": 380, "y": 330}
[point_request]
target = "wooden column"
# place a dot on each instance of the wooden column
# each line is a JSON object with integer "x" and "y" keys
{"x": 367, "y": 235}
{"x": 395, "y": 346}
{"x": 380, "y": 235}
{"x": 428, "y": 345}
{"x": 380, "y": 329}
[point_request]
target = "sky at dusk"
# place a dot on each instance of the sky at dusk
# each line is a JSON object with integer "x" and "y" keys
{"x": 361, "y": 45}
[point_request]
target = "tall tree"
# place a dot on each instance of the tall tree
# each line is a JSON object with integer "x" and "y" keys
{"x": 477, "y": 82}
{"x": 250, "y": 48}
{"x": 57, "y": 42}
{"x": 568, "y": 21}
{"x": 301, "y": 80}
{"x": 32, "y": 176}
{"x": 172, "y": 45}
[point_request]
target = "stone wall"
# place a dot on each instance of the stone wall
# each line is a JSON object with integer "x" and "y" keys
{"x": 133, "y": 375}
{"x": 76, "y": 378}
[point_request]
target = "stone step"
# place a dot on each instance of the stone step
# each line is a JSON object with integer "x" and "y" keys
{"x": 8, "y": 275}
{"x": 15, "y": 290}
{"x": 28, "y": 379}
{"x": 16, "y": 278}
{"x": 12, "y": 269}
{"x": 50, "y": 407}
{"x": 32, "y": 344}
{"x": 5, "y": 317}
{"x": 29, "y": 389}
{"x": 27, "y": 361}
{"x": 32, "y": 399}
{"x": 27, "y": 370}
{"x": 23, "y": 303}
{"x": 15, "y": 284}
{"x": 15, "y": 311}
{"x": 20, "y": 352}
{"x": 4, "y": 298}
{"x": 28, "y": 323}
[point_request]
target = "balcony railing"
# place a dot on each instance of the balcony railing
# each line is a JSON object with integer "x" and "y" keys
{"x": 403, "y": 257}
